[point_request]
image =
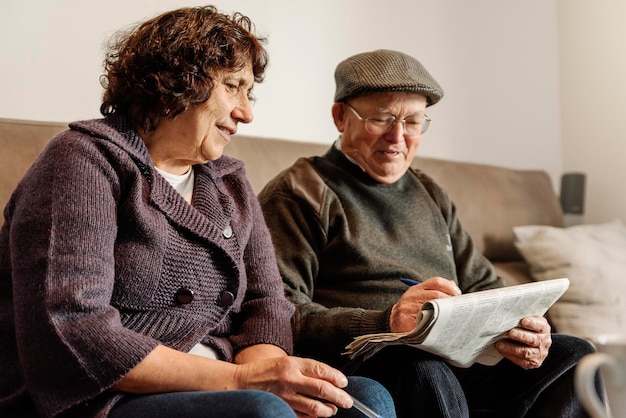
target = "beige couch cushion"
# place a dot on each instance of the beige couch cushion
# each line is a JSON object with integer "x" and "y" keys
{"x": 593, "y": 257}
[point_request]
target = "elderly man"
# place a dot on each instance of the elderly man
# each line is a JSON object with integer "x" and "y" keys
{"x": 348, "y": 225}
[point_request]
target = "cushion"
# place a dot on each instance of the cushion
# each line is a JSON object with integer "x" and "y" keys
{"x": 593, "y": 257}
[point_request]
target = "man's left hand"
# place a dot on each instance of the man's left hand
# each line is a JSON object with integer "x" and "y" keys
{"x": 528, "y": 344}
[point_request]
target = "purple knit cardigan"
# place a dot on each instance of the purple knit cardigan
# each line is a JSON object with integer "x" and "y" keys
{"x": 101, "y": 260}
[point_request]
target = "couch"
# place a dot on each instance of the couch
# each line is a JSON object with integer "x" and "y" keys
{"x": 490, "y": 200}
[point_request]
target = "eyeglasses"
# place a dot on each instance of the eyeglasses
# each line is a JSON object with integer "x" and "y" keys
{"x": 381, "y": 124}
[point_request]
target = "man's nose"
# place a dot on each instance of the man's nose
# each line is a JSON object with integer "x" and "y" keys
{"x": 396, "y": 133}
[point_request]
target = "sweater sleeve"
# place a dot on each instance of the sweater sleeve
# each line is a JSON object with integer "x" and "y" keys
{"x": 62, "y": 223}
{"x": 265, "y": 316}
{"x": 299, "y": 220}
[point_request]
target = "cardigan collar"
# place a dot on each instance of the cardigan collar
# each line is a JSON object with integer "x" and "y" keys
{"x": 119, "y": 131}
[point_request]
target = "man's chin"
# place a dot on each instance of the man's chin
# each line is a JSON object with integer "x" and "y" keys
{"x": 387, "y": 176}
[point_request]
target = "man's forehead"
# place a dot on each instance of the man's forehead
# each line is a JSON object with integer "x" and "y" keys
{"x": 384, "y": 101}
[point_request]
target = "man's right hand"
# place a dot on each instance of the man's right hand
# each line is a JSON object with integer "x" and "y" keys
{"x": 404, "y": 313}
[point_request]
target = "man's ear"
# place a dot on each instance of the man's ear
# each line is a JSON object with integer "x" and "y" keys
{"x": 339, "y": 114}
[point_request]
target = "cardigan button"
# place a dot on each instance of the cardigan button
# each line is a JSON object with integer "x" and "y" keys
{"x": 228, "y": 232}
{"x": 184, "y": 296}
{"x": 226, "y": 298}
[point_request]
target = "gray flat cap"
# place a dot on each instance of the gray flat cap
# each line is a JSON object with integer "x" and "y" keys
{"x": 384, "y": 70}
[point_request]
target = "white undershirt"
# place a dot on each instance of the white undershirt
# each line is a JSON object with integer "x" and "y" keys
{"x": 337, "y": 145}
{"x": 183, "y": 184}
{"x": 204, "y": 351}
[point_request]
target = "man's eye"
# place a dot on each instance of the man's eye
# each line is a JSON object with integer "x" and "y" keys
{"x": 232, "y": 87}
{"x": 413, "y": 121}
{"x": 381, "y": 120}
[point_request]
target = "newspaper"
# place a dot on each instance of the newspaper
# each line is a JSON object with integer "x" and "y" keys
{"x": 463, "y": 329}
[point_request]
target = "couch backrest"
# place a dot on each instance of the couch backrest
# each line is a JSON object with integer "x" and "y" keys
{"x": 20, "y": 142}
{"x": 266, "y": 157}
{"x": 490, "y": 200}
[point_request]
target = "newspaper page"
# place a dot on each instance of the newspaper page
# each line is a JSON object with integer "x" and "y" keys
{"x": 464, "y": 329}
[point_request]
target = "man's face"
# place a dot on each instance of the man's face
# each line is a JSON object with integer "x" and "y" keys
{"x": 387, "y": 156}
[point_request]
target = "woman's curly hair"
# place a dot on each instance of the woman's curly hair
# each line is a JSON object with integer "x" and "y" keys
{"x": 166, "y": 65}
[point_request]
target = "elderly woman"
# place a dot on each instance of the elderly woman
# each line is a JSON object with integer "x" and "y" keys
{"x": 137, "y": 276}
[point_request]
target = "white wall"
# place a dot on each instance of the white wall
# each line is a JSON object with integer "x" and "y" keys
{"x": 493, "y": 59}
{"x": 498, "y": 62}
{"x": 593, "y": 88}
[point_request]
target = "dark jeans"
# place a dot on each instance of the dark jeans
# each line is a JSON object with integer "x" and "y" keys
{"x": 243, "y": 403}
{"x": 423, "y": 385}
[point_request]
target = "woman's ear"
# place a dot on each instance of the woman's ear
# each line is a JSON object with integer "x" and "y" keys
{"x": 339, "y": 114}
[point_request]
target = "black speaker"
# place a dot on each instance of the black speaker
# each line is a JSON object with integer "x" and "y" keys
{"x": 573, "y": 193}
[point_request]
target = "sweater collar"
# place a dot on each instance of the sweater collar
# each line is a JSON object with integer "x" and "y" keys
{"x": 118, "y": 130}
{"x": 336, "y": 155}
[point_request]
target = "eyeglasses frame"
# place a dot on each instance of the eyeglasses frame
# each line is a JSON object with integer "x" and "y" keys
{"x": 427, "y": 119}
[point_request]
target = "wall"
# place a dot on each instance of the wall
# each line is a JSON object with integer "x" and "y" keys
{"x": 52, "y": 55}
{"x": 498, "y": 62}
{"x": 593, "y": 88}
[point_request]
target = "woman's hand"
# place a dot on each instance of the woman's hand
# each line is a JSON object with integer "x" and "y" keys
{"x": 310, "y": 387}
{"x": 404, "y": 313}
{"x": 528, "y": 344}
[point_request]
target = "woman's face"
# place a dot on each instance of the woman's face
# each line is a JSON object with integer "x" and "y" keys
{"x": 201, "y": 133}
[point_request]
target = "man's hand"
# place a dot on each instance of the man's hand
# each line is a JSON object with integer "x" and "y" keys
{"x": 528, "y": 344}
{"x": 311, "y": 388}
{"x": 404, "y": 312}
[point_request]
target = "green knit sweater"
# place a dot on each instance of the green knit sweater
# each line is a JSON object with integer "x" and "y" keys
{"x": 343, "y": 242}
